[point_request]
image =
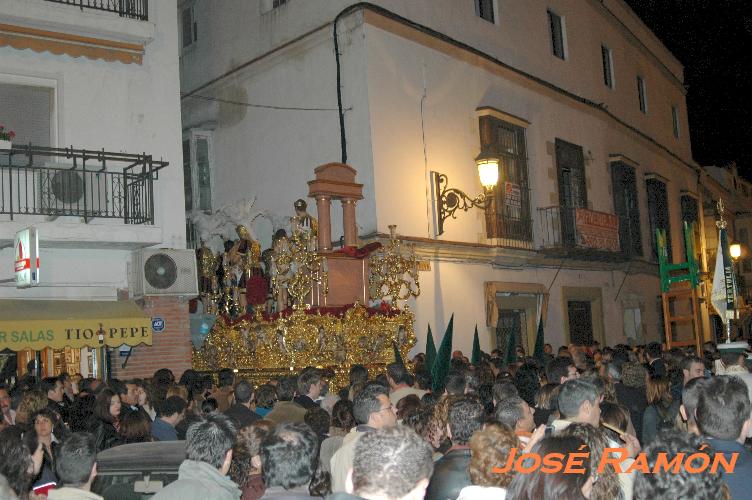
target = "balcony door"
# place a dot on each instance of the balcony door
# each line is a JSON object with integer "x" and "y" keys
{"x": 570, "y": 166}
{"x": 624, "y": 187}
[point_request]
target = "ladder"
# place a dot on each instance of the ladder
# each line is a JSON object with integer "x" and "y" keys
{"x": 680, "y": 281}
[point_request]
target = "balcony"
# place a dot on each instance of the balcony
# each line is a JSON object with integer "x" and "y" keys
{"x": 132, "y": 9}
{"x": 579, "y": 233}
{"x": 57, "y": 182}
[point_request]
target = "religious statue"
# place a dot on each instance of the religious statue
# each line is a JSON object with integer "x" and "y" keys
{"x": 208, "y": 263}
{"x": 321, "y": 339}
{"x": 304, "y": 222}
{"x": 245, "y": 257}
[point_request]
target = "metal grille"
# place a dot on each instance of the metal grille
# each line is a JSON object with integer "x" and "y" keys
{"x": 133, "y": 9}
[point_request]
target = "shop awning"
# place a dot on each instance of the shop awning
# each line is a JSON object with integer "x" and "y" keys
{"x": 36, "y": 324}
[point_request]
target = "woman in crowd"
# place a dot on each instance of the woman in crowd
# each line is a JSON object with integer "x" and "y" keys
{"x": 342, "y": 421}
{"x": 538, "y": 485}
{"x": 135, "y": 427}
{"x": 546, "y": 404}
{"x": 209, "y": 406}
{"x": 31, "y": 402}
{"x": 245, "y": 469}
{"x": 105, "y": 421}
{"x": 18, "y": 465}
{"x": 608, "y": 486}
{"x": 489, "y": 448}
{"x": 266, "y": 396}
{"x": 662, "y": 409}
{"x": 41, "y": 435}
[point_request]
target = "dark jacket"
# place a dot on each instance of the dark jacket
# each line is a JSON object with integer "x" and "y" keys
{"x": 657, "y": 418}
{"x": 163, "y": 431}
{"x": 241, "y": 415}
{"x": 657, "y": 368}
{"x": 636, "y": 401}
{"x": 450, "y": 475}
{"x": 105, "y": 435}
{"x": 740, "y": 481}
{"x": 305, "y": 402}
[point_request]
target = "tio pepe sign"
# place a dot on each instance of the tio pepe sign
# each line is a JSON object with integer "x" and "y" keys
{"x": 26, "y": 261}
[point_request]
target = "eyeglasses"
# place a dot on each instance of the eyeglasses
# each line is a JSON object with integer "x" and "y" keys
{"x": 390, "y": 407}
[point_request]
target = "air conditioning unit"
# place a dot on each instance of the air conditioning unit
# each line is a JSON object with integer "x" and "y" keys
{"x": 62, "y": 191}
{"x": 164, "y": 272}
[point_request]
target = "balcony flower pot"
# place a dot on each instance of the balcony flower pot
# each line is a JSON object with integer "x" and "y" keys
{"x": 5, "y": 144}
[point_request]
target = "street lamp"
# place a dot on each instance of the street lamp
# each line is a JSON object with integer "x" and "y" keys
{"x": 449, "y": 200}
{"x": 735, "y": 250}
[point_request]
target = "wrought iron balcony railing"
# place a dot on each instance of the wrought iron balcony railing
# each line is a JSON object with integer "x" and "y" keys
{"x": 58, "y": 182}
{"x": 580, "y": 232}
{"x": 133, "y": 9}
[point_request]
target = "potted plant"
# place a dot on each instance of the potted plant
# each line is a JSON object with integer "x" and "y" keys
{"x": 6, "y": 137}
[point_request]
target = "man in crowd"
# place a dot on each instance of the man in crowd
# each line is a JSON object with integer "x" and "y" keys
{"x": 288, "y": 461}
{"x": 688, "y": 407}
{"x": 579, "y": 402}
{"x": 560, "y": 370}
{"x": 450, "y": 475}
{"x": 223, "y": 393}
{"x": 399, "y": 383}
{"x": 285, "y": 409}
{"x": 390, "y": 464}
{"x": 723, "y": 415}
{"x": 76, "y": 468}
{"x": 654, "y": 358}
{"x": 515, "y": 413}
{"x": 503, "y": 389}
{"x": 241, "y": 412}
{"x": 53, "y": 388}
{"x": 310, "y": 384}
{"x": 372, "y": 410}
{"x": 169, "y": 414}
{"x": 456, "y": 383}
{"x": 203, "y": 474}
{"x": 692, "y": 367}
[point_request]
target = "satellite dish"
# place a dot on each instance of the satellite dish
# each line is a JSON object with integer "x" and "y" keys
{"x": 160, "y": 271}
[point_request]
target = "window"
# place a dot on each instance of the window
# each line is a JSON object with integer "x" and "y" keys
{"x": 277, "y": 3}
{"x": 642, "y": 95}
{"x": 608, "y": 69}
{"x": 27, "y": 110}
{"x": 197, "y": 171}
{"x": 675, "y": 120}
{"x": 485, "y": 10}
{"x": 570, "y": 166}
{"x": 690, "y": 214}
{"x": 743, "y": 237}
{"x": 658, "y": 212}
{"x": 508, "y": 215}
{"x": 189, "y": 28}
{"x": 626, "y": 208}
{"x": 557, "y": 34}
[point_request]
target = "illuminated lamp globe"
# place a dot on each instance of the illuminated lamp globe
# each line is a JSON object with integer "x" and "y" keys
{"x": 735, "y": 250}
{"x": 488, "y": 170}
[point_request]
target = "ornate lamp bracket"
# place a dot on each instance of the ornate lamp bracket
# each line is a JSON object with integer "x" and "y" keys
{"x": 449, "y": 200}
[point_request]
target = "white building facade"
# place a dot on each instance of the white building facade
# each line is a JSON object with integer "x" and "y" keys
{"x": 581, "y": 103}
{"x": 100, "y": 77}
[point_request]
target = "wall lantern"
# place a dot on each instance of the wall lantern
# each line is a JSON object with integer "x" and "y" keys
{"x": 449, "y": 200}
{"x": 735, "y": 250}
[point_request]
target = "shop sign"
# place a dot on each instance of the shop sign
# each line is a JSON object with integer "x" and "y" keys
{"x": 157, "y": 325}
{"x": 597, "y": 230}
{"x": 26, "y": 261}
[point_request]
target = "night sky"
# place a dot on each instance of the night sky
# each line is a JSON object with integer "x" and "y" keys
{"x": 713, "y": 40}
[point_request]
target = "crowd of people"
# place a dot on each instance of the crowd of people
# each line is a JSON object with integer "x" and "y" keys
{"x": 388, "y": 435}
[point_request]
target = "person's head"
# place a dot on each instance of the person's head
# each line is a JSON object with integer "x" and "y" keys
{"x": 391, "y": 464}
{"x": 373, "y": 408}
{"x": 171, "y": 410}
{"x": 423, "y": 379}
{"x": 616, "y": 416}
{"x": 53, "y": 388}
{"x": 318, "y": 420}
{"x": 723, "y": 408}
{"x": 732, "y": 358}
{"x": 129, "y": 396}
{"x": 246, "y": 455}
{"x": 16, "y": 464}
{"x": 516, "y": 414}
{"x": 266, "y": 396}
{"x": 107, "y": 405}
{"x": 527, "y": 382}
{"x": 597, "y": 441}
{"x": 579, "y": 401}
{"x": 658, "y": 390}
{"x": 358, "y": 375}
{"x": 342, "y": 415}
{"x": 547, "y": 397}
{"x": 31, "y": 402}
{"x": 633, "y": 374}
{"x": 209, "y": 406}
{"x": 244, "y": 393}
{"x": 44, "y": 422}
{"x": 538, "y": 485}
{"x": 4, "y": 399}
{"x": 226, "y": 377}
{"x": 455, "y": 382}
{"x": 465, "y": 416}
{"x": 288, "y": 456}
{"x": 210, "y": 439}
{"x": 690, "y": 396}
{"x": 653, "y": 351}
{"x": 163, "y": 377}
{"x": 667, "y": 446}
{"x": 692, "y": 367}
{"x": 286, "y": 388}
{"x": 135, "y": 427}
{"x": 310, "y": 383}
{"x": 397, "y": 375}
{"x": 76, "y": 464}
{"x": 408, "y": 404}
{"x": 490, "y": 447}
{"x": 548, "y": 349}
{"x": 561, "y": 369}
